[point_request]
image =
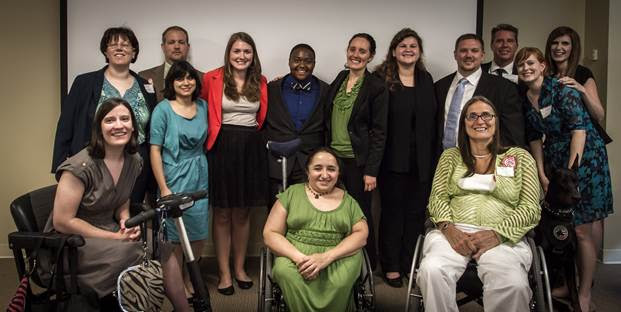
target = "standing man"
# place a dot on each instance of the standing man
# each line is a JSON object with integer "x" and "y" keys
{"x": 454, "y": 90}
{"x": 175, "y": 46}
{"x": 504, "y": 45}
{"x": 295, "y": 110}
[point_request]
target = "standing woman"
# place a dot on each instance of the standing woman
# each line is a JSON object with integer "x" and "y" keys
{"x": 562, "y": 55}
{"x": 178, "y": 135}
{"x": 237, "y": 99}
{"x": 88, "y": 91}
{"x": 556, "y": 111}
{"x": 409, "y": 157}
{"x": 356, "y": 117}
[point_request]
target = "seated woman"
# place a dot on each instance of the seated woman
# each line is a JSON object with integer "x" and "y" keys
{"x": 484, "y": 199}
{"x": 317, "y": 230}
{"x": 93, "y": 194}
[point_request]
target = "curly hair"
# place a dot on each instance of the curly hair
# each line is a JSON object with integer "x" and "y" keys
{"x": 252, "y": 85}
{"x": 389, "y": 69}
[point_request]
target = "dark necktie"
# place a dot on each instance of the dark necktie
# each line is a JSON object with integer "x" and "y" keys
{"x": 500, "y": 71}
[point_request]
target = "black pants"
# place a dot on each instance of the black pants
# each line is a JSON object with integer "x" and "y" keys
{"x": 352, "y": 177}
{"x": 404, "y": 201}
{"x": 145, "y": 182}
{"x": 297, "y": 175}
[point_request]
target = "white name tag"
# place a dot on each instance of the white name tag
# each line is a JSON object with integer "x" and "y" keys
{"x": 149, "y": 88}
{"x": 545, "y": 112}
{"x": 505, "y": 171}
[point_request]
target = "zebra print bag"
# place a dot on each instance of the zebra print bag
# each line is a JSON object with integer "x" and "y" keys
{"x": 141, "y": 287}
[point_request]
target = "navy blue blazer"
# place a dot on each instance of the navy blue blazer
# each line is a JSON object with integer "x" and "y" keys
{"x": 77, "y": 111}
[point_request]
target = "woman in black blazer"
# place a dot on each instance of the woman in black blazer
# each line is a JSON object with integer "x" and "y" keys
{"x": 120, "y": 48}
{"x": 356, "y": 116}
{"x": 409, "y": 157}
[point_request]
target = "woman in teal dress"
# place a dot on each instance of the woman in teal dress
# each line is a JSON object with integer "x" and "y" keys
{"x": 317, "y": 230}
{"x": 178, "y": 133}
{"x": 560, "y": 130}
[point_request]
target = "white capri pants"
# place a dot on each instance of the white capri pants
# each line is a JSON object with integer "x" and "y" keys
{"x": 502, "y": 269}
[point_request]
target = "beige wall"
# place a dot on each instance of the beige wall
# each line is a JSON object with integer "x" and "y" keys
{"x": 30, "y": 88}
{"x": 533, "y": 18}
{"x": 612, "y": 238}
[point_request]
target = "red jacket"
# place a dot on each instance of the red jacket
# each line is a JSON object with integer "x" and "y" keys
{"x": 213, "y": 87}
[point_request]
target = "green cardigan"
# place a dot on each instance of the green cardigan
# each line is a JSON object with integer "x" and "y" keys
{"x": 511, "y": 209}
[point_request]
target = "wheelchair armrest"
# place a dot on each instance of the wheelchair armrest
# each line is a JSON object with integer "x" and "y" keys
{"x": 29, "y": 240}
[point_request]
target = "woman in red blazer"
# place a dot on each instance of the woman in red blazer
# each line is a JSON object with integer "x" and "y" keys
{"x": 237, "y": 102}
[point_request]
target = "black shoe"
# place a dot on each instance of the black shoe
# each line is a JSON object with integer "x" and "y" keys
{"x": 227, "y": 291}
{"x": 393, "y": 282}
{"x": 244, "y": 284}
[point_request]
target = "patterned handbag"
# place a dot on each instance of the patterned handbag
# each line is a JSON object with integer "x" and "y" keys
{"x": 141, "y": 287}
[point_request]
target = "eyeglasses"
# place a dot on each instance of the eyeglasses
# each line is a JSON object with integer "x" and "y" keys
{"x": 122, "y": 45}
{"x": 485, "y": 116}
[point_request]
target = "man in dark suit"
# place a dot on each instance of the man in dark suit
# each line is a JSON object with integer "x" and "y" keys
{"x": 175, "y": 46}
{"x": 504, "y": 45}
{"x": 454, "y": 90}
{"x": 295, "y": 110}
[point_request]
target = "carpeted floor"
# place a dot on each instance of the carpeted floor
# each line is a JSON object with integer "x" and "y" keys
{"x": 607, "y": 292}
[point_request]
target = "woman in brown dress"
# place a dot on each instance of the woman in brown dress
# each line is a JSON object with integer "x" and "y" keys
{"x": 92, "y": 199}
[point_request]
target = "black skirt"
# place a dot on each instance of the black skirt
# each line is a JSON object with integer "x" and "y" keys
{"x": 238, "y": 168}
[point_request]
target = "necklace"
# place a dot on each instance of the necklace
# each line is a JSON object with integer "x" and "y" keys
{"x": 482, "y": 156}
{"x": 315, "y": 194}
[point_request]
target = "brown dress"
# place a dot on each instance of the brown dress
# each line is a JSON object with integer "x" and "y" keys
{"x": 101, "y": 260}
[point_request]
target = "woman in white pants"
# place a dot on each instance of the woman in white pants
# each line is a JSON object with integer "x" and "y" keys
{"x": 484, "y": 199}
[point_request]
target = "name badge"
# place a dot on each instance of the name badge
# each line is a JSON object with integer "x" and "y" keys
{"x": 149, "y": 88}
{"x": 545, "y": 112}
{"x": 505, "y": 171}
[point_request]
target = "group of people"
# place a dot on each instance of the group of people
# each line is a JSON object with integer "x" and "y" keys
{"x": 126, "y": 138}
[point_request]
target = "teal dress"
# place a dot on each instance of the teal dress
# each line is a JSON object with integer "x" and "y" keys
{"x": 568, "y": 113}
{"x": 184, "y": 162}
{"x": 313, "y": 231}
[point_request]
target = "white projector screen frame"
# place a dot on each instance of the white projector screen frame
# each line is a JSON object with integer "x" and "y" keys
{"x": 275, "y": 25}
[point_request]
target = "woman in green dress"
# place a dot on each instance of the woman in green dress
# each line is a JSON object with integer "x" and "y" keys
{"x": 317, "y": 230}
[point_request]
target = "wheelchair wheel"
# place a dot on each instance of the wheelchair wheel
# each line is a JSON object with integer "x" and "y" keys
{"x": 414, "y": 301}
{"x": 364, "y": 289}
{"x": 542, "y": 299}
{"x": 270, "y": 295}
{"x": 262, "y": 278}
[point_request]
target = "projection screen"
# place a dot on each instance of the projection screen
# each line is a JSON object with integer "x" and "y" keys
{"x": 275, "y": 25}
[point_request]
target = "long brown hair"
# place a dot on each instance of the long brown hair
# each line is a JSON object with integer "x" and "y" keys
{"x": 389, "y": 69}
{"x": 252, "y": 85}
{"x": 463, "y": 140}
{"x": 574, "y": 56}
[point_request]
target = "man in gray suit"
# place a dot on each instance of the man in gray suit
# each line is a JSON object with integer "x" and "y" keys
{"x": 175, "y": 46}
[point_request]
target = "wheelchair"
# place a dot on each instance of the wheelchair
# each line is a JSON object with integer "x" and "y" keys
{"x": 470, "y": 284}
{"x": 30, "y": 213}
{"x": 271, "y": 298}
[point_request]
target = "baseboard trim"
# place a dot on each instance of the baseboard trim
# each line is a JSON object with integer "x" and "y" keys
{"x": 612, "y": 256}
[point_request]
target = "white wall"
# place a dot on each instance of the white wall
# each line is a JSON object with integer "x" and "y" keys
{"x": 275, "y": 25}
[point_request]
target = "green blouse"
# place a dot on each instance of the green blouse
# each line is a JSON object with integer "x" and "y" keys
{"x": 136, "y": 100}
{"x": 341, "y": 111}
{"x": 511, "y": 209}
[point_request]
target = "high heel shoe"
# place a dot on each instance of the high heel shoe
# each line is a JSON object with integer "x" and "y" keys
{"x": 244, "y": 284}
{"x": 227, "y": 291}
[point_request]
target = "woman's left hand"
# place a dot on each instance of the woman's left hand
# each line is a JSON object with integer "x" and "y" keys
{"x": 370, "y": 183}
{"x": 572, "y": 83}
{"x": 310, "y": 267}
{"x": 132, "y": 233}
{"x": 484, "y": 241}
